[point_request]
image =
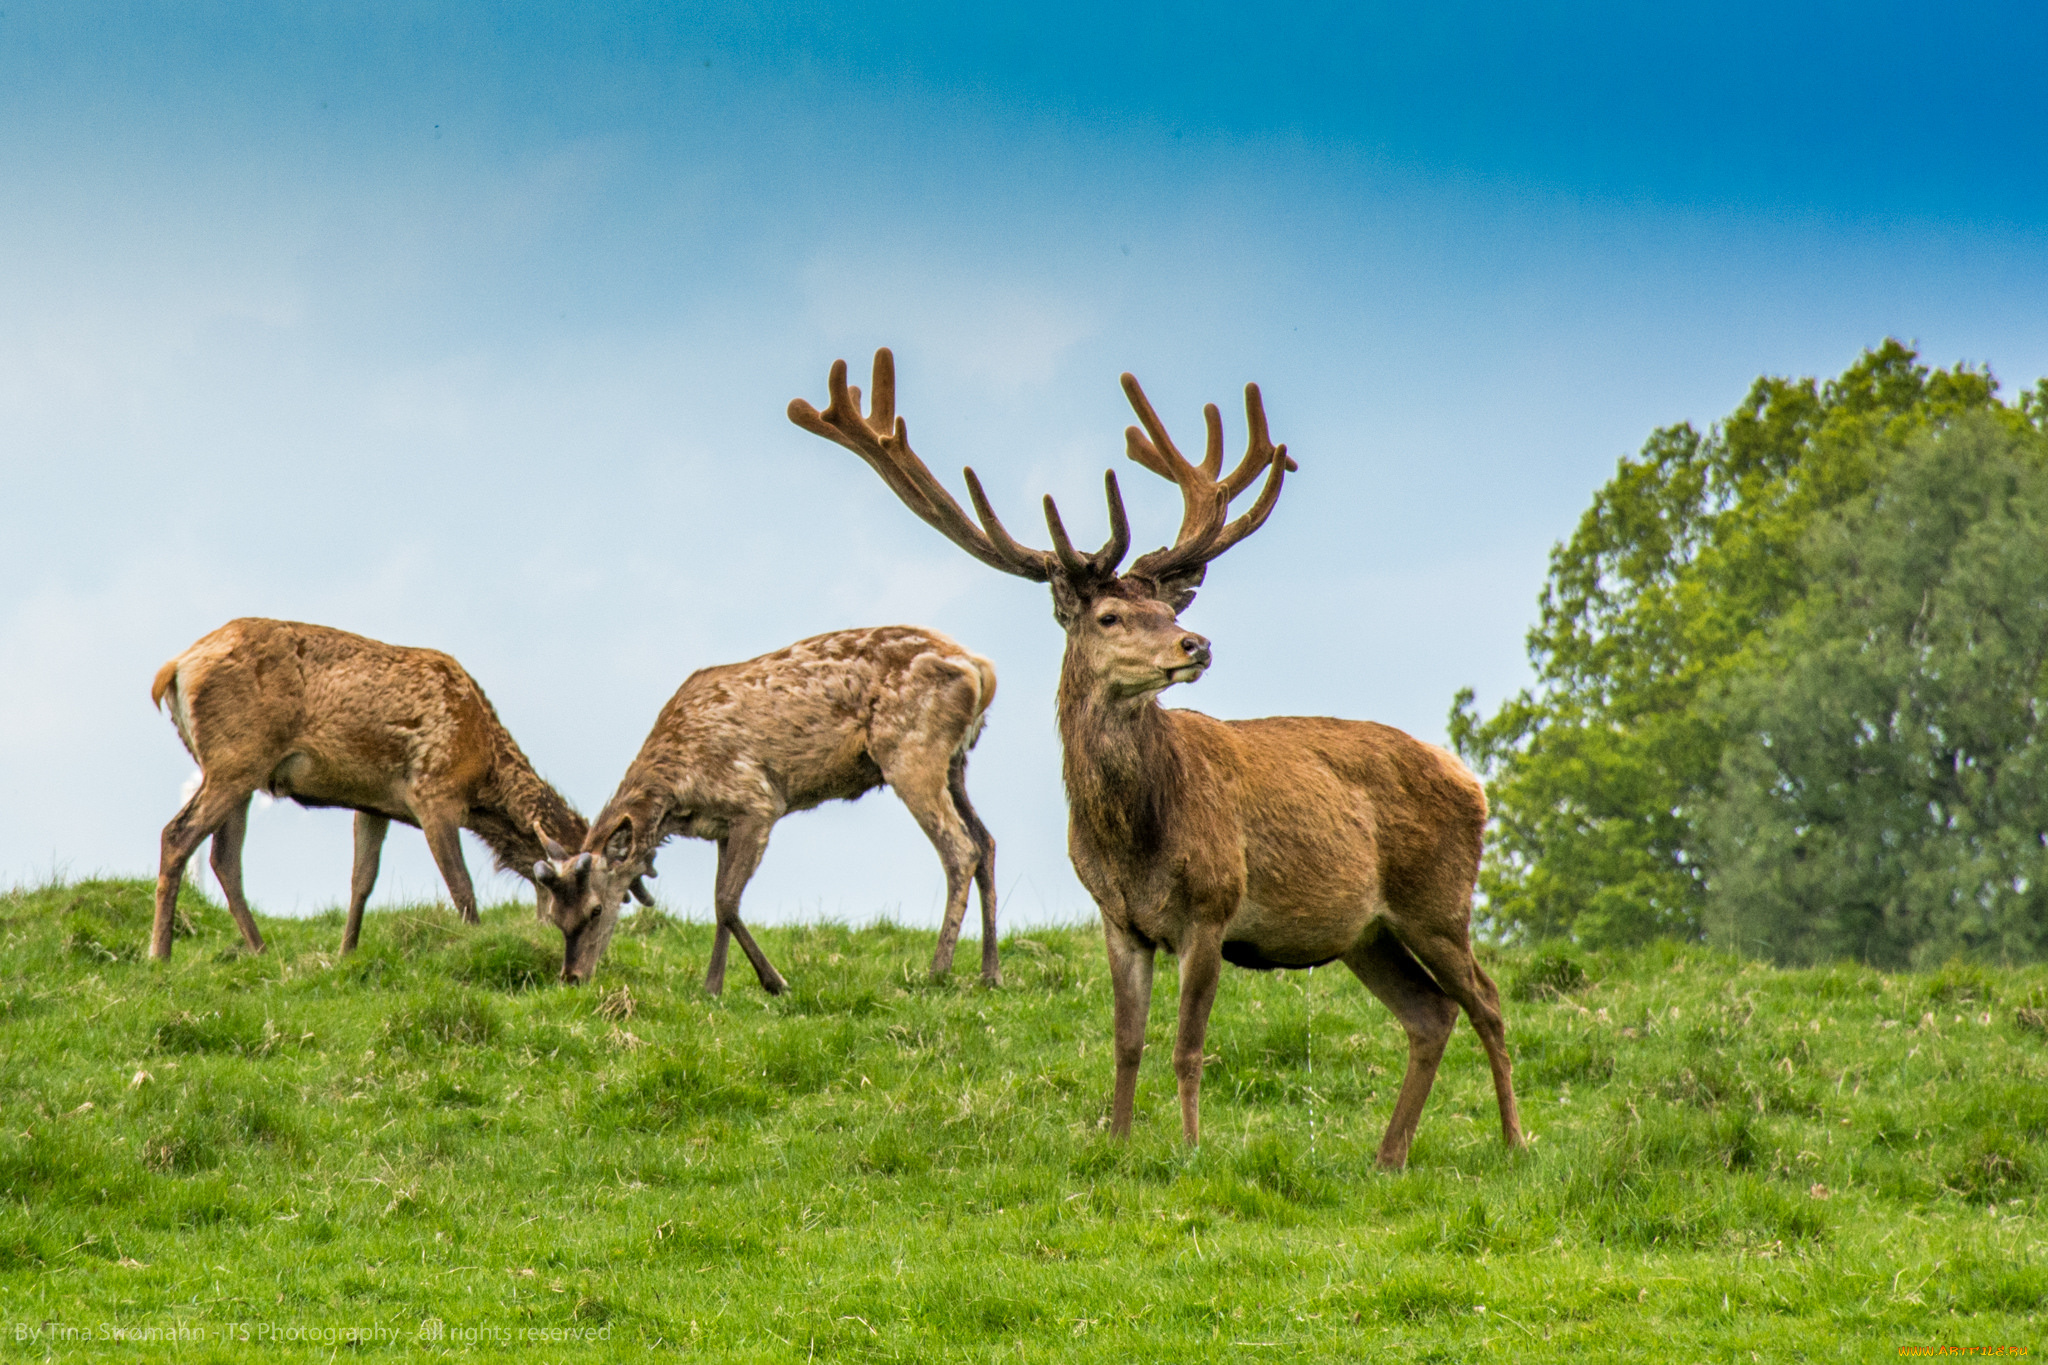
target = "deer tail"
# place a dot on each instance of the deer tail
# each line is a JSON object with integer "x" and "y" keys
{"x": 988, "y": 681}
{"x": 986, "y": 676}
{"x": 166, "y": 678}
{"x": 166, "y": 685}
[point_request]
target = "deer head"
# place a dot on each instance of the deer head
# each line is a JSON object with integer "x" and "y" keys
{"x": 581, "y": 895}
{"x": 1123, "y": 628}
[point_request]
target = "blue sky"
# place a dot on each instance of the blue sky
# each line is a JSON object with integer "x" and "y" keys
{"x": 473, "y": 326}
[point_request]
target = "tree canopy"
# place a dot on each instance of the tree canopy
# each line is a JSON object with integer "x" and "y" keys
{"x": 1885, "y": 784}
{"x": 1600, "y": 772}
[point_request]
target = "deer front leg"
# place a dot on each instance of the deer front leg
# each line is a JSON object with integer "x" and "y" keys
{"x": 1130, "y": 983}
{"x": 370, "y": 831}
{"x": 227, "y": 870}
{"x": 443, "y": 829}
{"x": 1201, "y": 967}
{"x": 739, "y": 854}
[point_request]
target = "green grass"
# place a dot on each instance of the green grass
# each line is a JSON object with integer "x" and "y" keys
{"x": 431, "y": 1131}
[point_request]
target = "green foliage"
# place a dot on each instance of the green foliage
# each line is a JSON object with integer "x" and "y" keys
{"x": 507, "y": 959}
{"x": 440, "y": 1019}
{"x": 109, "y": 921}
{"x": 1728, "y": 1158}
{"x": 1551, "y": 972}
{"x": 1886, "y": 793}
{"x": 1598, "y": 773}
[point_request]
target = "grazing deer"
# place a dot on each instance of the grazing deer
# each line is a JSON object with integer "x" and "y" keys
{"x": 740, "y": 746}
{"x": 332, "y": 719}
{"x": 1287, "y": 842}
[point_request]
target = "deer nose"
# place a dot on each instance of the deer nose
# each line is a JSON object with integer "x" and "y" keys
{"x": 1196, "y": 648}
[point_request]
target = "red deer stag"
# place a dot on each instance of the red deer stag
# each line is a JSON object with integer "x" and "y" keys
{"x": 1287, "y": 842}
{"x": 740, "y": 746}
{"x": 332, "y": 719}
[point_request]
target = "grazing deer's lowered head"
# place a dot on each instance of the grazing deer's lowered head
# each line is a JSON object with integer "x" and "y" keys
{"x": 1285, "y": 842}
{"x": 585, "y": 893}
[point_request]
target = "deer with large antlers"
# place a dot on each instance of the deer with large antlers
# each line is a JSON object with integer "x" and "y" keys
{"x": 741, "y": 745}
{"x": 1287, "y": 842}
{"x": 327, "y": 718}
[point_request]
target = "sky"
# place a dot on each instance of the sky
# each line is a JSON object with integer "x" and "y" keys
{"x": 473, "y": 326}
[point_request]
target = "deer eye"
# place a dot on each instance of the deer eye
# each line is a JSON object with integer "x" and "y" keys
{"x": 1108, "y": 618}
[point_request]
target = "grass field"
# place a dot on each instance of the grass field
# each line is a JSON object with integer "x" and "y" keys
{"x": 433, "y": 1145}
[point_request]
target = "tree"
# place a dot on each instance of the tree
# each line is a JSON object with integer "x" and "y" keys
{"x": 1885, "y": 792}
{"x": 1598, "y": 771}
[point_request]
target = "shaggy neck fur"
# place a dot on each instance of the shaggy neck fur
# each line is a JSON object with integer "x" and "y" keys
{"x": 1122, "y": 764}
{"x": 524, "y": 799}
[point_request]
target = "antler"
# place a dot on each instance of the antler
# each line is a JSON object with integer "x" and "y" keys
{"x": 1205, "y": 499}
{"x": 883, "y": 440}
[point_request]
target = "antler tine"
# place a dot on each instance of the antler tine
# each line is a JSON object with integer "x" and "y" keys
{"x": 1000, "y": 537}
{"x": 882, "y": 439}
{"x": 1202, "y": 507}
{"x": 1070, "y": 560}
{"x": 1212, "y": 458}
{"x": 1112, "y": 554}
{"x": 1164, "y": 454}
{"x": 1101, "y": 564}
{"x": 1255, "y": 516}
{"x": 882, "y": 393}
{"x": 1258, "y": 447}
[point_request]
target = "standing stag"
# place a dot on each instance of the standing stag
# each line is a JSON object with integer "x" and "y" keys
{"x": 332, "y": 719}
{"x": 740, "y": 746}
{"x": 1287, "y": 842}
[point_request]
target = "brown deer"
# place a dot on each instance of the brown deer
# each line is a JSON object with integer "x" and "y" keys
{"x": 741, "y": 745}
{"x": 333, "y": 719}
{"x": 1287, "y": 842}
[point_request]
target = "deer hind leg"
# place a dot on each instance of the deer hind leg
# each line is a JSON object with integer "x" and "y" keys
{"x": 370, "y": 830}
{"x": 1130, "y": 982}
{"x": 208, "y": 809}
{"x": 1449, "y": 959}
{"x": 226, "y": 859}
{"x": 443, "y": 829}
{"x": 739, "y": 854}
{"x": 984, "y": 866}
{"x": 920, "y": 777}
{"x": 1426, "y": 1014}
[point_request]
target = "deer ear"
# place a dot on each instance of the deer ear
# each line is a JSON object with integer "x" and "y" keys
{"x": 1178, "y": 590}
{"x": 620, "y": 845}
{"x": 1066, "y": 603}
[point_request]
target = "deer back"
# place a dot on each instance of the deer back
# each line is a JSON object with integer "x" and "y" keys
{"x": 814, "y": 722}
{"x": 333, "y": 717}
{"x": 1332, "y": 807}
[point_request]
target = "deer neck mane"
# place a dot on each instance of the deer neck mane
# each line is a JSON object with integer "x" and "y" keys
{"x": 1122, "y": 762}
{"x": 524, "y": 799}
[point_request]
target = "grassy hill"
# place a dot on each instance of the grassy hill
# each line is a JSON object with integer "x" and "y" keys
{"x": 430, "y": 1144}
